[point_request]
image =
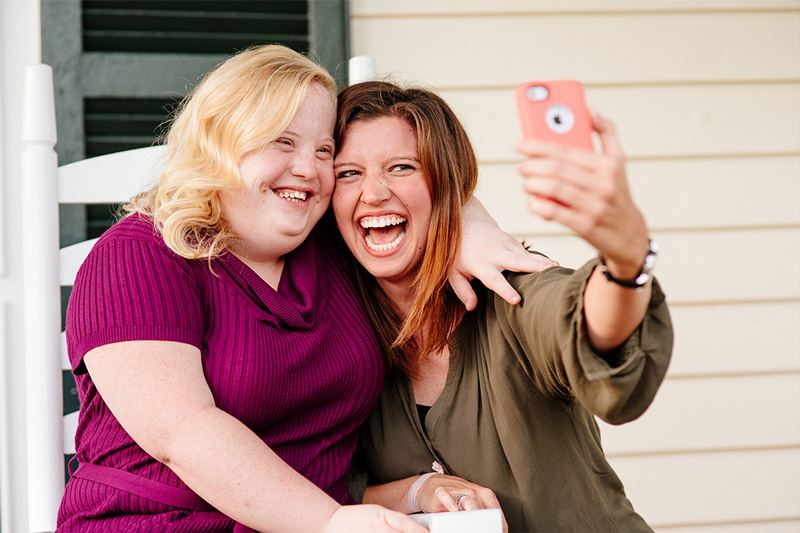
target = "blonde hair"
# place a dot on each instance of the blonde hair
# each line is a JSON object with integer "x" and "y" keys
{"x": 242, "y": 105}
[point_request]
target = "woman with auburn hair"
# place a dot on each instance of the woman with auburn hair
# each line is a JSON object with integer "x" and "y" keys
{"x": 495, "y": 406}
{"x": 223, "y": 359}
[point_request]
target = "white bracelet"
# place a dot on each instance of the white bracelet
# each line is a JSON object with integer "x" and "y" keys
{"x": 412, "y": 492}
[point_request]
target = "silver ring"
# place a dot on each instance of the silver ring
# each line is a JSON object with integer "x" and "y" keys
{"x": 459, "y": 499}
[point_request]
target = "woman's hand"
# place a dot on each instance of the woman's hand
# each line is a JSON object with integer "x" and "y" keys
{"x": 589, "y": 194}
{"x": 369, "y": 518}
{"x": 486, "y": 251}
{"x": 450, "y": 493}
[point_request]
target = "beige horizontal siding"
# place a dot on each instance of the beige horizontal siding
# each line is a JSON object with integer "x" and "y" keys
{"x": 431, "y": 8}
{"x": 736, "y": 339}
{"x": 776, "y": 525}
{"x": 708, "y": 267}
{"x": 677, "y": 194}
{"x": 706, "y": 96}
{"x": 720, "y": 487}
{"x": 656, "y": 121}
{"x": 628, "y": 48}
{"x": 720, "y": 413}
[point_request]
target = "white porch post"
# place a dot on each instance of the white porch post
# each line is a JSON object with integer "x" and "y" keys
{"x": 20, "y": 45}
{"x": 42, "y": 303}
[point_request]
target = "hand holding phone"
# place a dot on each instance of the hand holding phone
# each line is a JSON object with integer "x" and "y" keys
{"x": 555, "y": 112}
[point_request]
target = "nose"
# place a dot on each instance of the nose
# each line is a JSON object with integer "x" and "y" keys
{"x": 374, "y": 189}
{"x": 304, "y": 165}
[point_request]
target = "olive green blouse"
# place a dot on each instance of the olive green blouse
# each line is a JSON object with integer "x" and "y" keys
{"x": 517, "y": 410}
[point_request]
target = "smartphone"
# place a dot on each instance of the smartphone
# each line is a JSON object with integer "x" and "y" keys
{"x": 555, "y": 112}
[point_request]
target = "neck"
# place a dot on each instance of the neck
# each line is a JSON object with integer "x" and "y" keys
{"x": 400, "y": 295}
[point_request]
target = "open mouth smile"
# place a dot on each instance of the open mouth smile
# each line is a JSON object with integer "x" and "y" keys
{"x": 383, "y": 233}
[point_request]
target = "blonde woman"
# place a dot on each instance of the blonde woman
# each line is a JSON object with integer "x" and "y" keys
{"x": 223, "y": 358}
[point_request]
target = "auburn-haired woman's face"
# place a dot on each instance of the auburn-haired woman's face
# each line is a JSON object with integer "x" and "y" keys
{"x": 382, "y": 202}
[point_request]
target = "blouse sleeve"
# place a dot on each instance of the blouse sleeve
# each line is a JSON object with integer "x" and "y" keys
{"x": 549, "y": 331}
{"x": 132, "y": 288}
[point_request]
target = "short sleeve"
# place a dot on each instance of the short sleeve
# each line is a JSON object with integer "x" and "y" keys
{"x": 132, "y": 287}
{"x": 549, "y": 329}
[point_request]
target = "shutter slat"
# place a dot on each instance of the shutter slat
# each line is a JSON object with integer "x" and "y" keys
{"x": 245, "y": 6}
{"x": 192, "y": 27}
{"x": 114, "y": 124}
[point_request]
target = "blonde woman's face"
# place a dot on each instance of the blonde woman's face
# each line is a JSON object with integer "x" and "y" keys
{"x": 287, "y": 186}
{"x": 382, "y": 202}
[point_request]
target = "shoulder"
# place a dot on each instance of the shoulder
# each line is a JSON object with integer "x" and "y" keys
{"x": 133, "y": 226}
{"x": 133, "y": 234}
{"x": 531, "y": 281}
{"x": 133, "y": 247}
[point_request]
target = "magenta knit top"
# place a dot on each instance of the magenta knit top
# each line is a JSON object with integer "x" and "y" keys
{"x": 299, "y": 366}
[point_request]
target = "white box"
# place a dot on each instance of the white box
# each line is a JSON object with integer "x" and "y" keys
{"x": 478, "y": 521}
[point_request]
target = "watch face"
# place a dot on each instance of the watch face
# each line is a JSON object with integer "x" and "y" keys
{"x": 650, "y": 260}
{"x": 644, "y": 275}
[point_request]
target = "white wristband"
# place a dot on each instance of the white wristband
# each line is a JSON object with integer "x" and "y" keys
{"x": 412, "y": 492}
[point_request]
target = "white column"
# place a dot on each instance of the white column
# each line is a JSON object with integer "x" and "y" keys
{"x": 42, "y": 300}
{"x": 20, "y": 45}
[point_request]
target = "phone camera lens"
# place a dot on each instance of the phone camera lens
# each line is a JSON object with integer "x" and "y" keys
{"x": 560, "y": 118}
{"x": 537, "y": 93}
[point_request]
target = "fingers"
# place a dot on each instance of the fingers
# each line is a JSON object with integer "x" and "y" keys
{"x": 463, "y": 290}
{"x": 586, "y": 192}
{"x": 571, "y": 177}
{"x": 461, "y": 499}
{"x": 496, "y": 282}
{"x": 506, "y": 253}
{"x": 465, "y": 502}
{"x": 400, "y": 522}
{"x": 509, "y": 255}
{"x": 526, "y": 261}
{"x": 464, "y": 496}
{"x": 447, "y": 498}
{"x": 608, "y": 135}
{"x": 573, "y": 168}
{"x": 371, "y": 519}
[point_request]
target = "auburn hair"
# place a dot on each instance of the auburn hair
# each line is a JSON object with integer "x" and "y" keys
{"x": 450, "y": 168}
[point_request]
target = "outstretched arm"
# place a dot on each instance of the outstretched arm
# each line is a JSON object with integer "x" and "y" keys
{"x": 589, "y": 194}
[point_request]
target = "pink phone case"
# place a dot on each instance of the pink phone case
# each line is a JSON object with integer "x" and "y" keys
{"x": 555, "y": 112}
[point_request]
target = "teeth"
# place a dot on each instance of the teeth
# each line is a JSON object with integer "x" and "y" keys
{"x": 293, "y": 196}
{"x": 381, "y": 222}
{"x": 387, "y": 246}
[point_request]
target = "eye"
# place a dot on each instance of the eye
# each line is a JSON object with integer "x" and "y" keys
{"x": 325, "y": 151}
{"x": 283, "y": 142}
{"x": 346, "y": 174}
{"x": 402, "y": 169}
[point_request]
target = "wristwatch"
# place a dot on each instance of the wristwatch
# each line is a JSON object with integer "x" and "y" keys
{"x": 644, "y": 275}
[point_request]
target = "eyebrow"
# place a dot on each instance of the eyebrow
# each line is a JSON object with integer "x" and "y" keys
{"x": 390, "y": 161}
{"x": 329, "y": 138}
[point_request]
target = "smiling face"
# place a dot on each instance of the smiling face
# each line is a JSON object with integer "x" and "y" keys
{"x": 382, "y": 201}
{"x": 286, "y": 186}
